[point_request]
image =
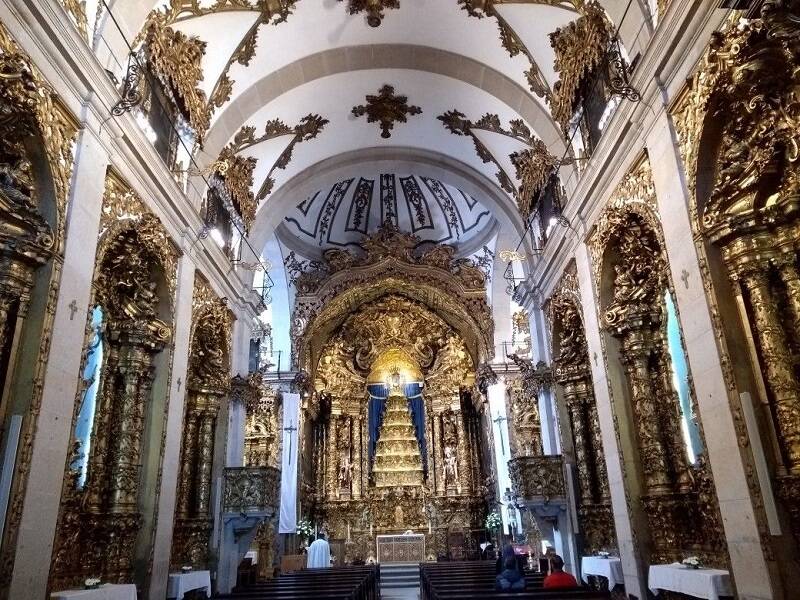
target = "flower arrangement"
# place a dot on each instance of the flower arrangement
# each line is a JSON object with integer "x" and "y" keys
{"x": 493, "y": 520}
{"x": 603, "y": 554}
{"x": 692, "y": 562}
{"x": 186, "y": 568}
{"x": 91, "y": 583}
{"x": 304, "y": 528}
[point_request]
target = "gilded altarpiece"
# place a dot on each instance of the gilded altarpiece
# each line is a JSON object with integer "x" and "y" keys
{"x": 572, "y": 373}
{"x": 738, "y": 126}
{"x": 100, "y": 521}
{"x": 207, "y": 385}
{"x": 424, "y": 463}
{"x": 632, "y": 277}
{"x": 36, "y": 158}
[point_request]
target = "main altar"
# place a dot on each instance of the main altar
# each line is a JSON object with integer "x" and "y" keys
{"x": 395, "y": 461}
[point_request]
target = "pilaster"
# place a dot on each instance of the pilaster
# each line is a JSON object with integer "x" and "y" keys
{"x": 165, "y": 519}
{"x": 749, "y": 565}
{"x": 633, "y": 569}
{"x": 61, "y": 378}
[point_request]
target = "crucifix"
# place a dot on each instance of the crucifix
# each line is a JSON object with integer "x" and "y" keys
{"x": 499, "y": 420}
{"x": 290, "y": 429}
{"x": 685, "y": 278}
{"x": 73, "y": 308}
{"x": 594, "y": 356}
{"x": 179, "y": 384}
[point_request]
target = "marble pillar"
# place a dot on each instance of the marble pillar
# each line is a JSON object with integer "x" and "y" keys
{"x": 43, "y": 492}
{"x": 748, "y": 562}
{"x": 625, "y": 522}
{"x": 162, "y": 538}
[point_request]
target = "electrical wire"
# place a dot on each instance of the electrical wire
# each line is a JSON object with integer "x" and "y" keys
{"x": 197, "y": 170}
{"x": 560, "y": 162}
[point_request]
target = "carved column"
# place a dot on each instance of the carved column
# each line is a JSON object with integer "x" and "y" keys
{"x": 777, "y": 363}
{"x": 206, "y": 448}
{"x": 187, "y": 460}
{"x": 580, "y": 440}
{"x": 463, "y": 456}
{"x": 332, "y": 455}
{"x": 791, "y": 280}
{"x": 357, "y": 454}
{"x": 438, "y": 426}
{"x": 636, "y": 358}
{"x": 601, "y": 472}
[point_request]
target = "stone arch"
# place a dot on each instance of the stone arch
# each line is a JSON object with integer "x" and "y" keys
{"x": 737, "y": 125}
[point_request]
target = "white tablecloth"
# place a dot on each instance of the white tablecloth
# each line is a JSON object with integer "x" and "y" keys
{"x": 700, "y": 583}
{"x": 108, "y": 591}
{"x": 610, "y": 568}
{"x": 180, "y": 583}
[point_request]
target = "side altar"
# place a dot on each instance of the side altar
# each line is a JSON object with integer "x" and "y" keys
{"x": 390, "y": 341}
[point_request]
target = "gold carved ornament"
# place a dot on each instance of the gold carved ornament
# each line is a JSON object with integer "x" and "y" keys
{"x": 511, "y": 41}
{"x": 329, "y": 291}
{"x": 373, "y": 8}
{"x": 240, "y": 181}
{"x": 176, "y": 60}
{"x": 627, "y": 250}
{"x": 572, "y": 372}
{"x": 746, "y": 90}
{"x": 207, "y": 383}
{"x": 99, "y": 524}
{"x": 386, "y": 108}
{"x": 579, "y": 49}
{"x": 30, "y": 114}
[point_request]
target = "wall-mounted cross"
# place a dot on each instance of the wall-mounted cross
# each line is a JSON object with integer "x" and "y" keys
{"x": 594, "y": 356}
{"x": 499, "y": 420}
{"x": 685, "y": 278}
{"x": 73, "y": 308}
{"x": 179, "y": 384}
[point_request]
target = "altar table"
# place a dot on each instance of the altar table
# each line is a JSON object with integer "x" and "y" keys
{"x": 180, "y": 583}
{"x": 108, "y": 591}
{"x": 700, "y": 583}
{"x": 406, "y": 548}
{"x": 610, "y": 568}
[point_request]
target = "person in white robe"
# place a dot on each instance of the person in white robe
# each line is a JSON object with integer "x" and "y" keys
{"x": 319, "y": 554}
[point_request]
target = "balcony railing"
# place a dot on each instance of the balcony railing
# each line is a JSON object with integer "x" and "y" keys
{"x": 538, "y": 479}
{"x": 251, "y": 490}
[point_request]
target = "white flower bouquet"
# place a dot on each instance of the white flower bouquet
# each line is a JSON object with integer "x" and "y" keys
{"x": 91, "y": 583}
{"x": 493, "y": 520}
{"x": 603, "y": 554}
{"x": 692, "y": 562}
{"x": 186, "y": 568}
{"x": 304, "y": 528}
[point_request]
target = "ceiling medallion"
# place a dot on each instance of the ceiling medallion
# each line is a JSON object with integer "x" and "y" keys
{"x": 386, "y": 109}
{"x": 374, "y": 9}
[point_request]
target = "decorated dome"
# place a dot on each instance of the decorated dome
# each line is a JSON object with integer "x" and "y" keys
{"x": 340, "y": 215}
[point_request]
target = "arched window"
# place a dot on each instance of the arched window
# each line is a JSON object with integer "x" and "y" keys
{"x": 86, "y": 412}
{"x": 680, "y": 381}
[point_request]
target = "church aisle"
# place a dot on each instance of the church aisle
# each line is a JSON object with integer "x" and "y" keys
{"x": 399, "y": 581}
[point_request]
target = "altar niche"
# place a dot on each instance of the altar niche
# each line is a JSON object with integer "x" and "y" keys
{"x": 396, "y": 436}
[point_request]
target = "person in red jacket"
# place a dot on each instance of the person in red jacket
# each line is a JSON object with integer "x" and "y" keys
{"x": 558, "y": 578}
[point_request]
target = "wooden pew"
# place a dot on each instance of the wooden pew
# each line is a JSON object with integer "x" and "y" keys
{"x": 346, "y": 583}
{"x": 476, "y": 580}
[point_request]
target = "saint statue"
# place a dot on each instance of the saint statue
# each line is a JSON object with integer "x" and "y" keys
{"x": 450, "y": 465}
{"x": 345, "y": 471}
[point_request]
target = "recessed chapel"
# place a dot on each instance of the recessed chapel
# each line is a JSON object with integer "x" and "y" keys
{"x": 399, "y": 299}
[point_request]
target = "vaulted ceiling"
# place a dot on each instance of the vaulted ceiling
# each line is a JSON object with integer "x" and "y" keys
{"x": 272, "y": 63}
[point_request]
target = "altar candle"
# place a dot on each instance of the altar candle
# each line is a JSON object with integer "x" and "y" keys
{"x": 348, "y": 531}
{"x": 370, "y": 529}
{"x": 430, "y": 528}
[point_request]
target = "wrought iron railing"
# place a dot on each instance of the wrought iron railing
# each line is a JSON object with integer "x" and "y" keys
{"x": 251, "y": 489}
{"x": 538, "y": 478}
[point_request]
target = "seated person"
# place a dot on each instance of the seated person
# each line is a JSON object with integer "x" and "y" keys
{"x": 558, "y": 578}
{"x": 510, "y": 579}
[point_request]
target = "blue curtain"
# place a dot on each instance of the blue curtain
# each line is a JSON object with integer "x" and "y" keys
{"x": 377, "y": 403}
{"x": 378, "y": 393}
{"x": 417, "y": 405}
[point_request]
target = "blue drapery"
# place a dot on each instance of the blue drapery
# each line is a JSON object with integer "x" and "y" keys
{"x": 378, "y": 393}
